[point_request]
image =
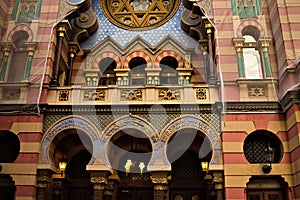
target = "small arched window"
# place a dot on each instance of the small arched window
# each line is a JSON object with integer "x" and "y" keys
{"x": 18, "y": 57}
{"x": 137, "y": 74}
{"x": 168, "y": 75}
{"x": 107, "y": 73}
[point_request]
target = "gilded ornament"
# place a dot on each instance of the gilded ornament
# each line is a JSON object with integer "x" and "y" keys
{"x": 139, "y": 14}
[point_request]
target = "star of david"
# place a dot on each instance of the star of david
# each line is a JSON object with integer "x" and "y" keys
{"x": 139, "y": 14}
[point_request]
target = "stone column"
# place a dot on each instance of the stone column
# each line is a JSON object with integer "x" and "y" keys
{"x": 6, "y": 47}
{"x": 265, "y": 43}
{"x": 43, "y": 180}
{"x": 218, "y": 182}
{"x": 31, "y": 46}
{"x": 99, "y": 181}
{"x": 212, "y": 70}
{"x": 62, "y": 29}
{"x": 238, "y": 44}
{"x": 58, "y": 188}
{"x": 73, "y": 50}
{"x": 160, "y": 182}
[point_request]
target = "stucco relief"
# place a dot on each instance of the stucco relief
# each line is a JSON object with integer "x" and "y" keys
{"x": 68, "y": 123}
{"x": 130, "y": 122}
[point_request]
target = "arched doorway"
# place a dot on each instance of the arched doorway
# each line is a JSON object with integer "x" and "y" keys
{"x": 75, "y": 147}
{"x": 129, "y": 152}
{"x": 9, "y": 151}
{"x": 186, "y": 150}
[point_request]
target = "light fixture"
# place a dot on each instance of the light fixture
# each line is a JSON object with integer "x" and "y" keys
{"x": 62, "y": 164}
{"x": 204, "y": 165}
{"x": 269, "y": 153}
{"x": 128, "y": 166}
{"x": 142, "y": 166}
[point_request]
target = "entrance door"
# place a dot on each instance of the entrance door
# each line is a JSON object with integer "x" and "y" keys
{"x": 265, "y": 195}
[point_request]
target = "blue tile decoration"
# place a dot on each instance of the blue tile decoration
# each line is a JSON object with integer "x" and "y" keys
{"x": 124, "y": 37}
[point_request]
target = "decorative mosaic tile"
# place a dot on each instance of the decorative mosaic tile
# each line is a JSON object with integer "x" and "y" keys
{"x": 124, "y": 37}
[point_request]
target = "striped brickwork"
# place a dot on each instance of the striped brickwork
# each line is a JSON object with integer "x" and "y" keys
{"x": 138, "y": 54}
{"x": 237, "y": 169}
{"x": 107, "y": 55}
{"x": 293, "y": 127}
{"x": 171, "y": 54}
{"x": 23, "y": 170}
{"x": 29, "y": 128}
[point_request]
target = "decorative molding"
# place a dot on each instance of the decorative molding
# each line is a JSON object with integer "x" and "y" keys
{"x": 130, "y": 122}
{"x": 256, "y": 91}
{"x": 63, "y": 95}
{"x": 131, "y": 95}
{"x": 11, "y": 93}
{"x": 201, "y": 93}
{"x": 168, "y": 94}
{"x": 94, "y": 95}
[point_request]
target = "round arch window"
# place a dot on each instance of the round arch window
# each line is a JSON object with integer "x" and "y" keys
{"x": 9, "y": 147}
{"x": 256, "y": 143}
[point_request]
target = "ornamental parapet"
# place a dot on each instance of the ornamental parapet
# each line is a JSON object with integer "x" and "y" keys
{"x": 83, "y": 95}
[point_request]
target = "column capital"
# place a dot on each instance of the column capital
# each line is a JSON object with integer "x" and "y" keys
{"x": 63, "y": 27}
{"x": 238, "y": 43}
{"x": 74, "y": 48}
{"x": 160, "y": 180}
{"x": 6, "y": 47}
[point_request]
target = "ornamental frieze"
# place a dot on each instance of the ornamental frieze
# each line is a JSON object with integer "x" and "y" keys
{"x": 130, "y": 123}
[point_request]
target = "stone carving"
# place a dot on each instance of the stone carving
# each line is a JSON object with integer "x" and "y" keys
{"x": 94, "y": 95}
{"x": 63, "y": 95}
{"x": 168, "y": 94}
{"x": 72, "y": 122}
{"x": 27, "y": 11}
{"x": 99, "y": 180}
{"x": 201, "y": 93}
{"x": 11, "y": 93}
{"x": 256, "y": 91}
{"x": 130, "y": 123}
{"x": 131, "y": 95}
{"x": 160, "y": 181}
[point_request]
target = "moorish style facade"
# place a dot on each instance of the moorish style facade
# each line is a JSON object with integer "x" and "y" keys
{"x": 149, "y": 99}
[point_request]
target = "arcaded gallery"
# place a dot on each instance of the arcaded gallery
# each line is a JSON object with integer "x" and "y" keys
{"x": 149, "y": 100}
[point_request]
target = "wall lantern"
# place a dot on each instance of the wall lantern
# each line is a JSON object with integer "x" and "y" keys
{"x": 269, "y": 154}
{"x": 204, "y": 165}
{"x": 128, "y": 166}
{"x": 62, "y": 164}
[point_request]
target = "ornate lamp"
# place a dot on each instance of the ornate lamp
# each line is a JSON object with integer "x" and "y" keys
{"x": 128, "y": 166}
{"x": 269, "y": 153}
{"x": 62, "y": 164}
{"x": 204, "y": 165}
{"x": 142, "y": 166}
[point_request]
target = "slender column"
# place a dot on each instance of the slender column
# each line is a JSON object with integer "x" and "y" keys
{"x": 265, "y": 43}
{"x": 73, "y": 50}
{"x": 218, "y": 181}
{"x": 43, "y": 180}
{"x": 57, "y": 188}
{"x": 30, "y": 49}
{"x": 212, "y": 73}
{"x": 62, "y": 30}
{"x": 239, "y": 43}
{"x": 99, "y": 181}
{"x": 233, "y": 6}
{"x": 160, "y": 182}
{"x": 6, "y": 49}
